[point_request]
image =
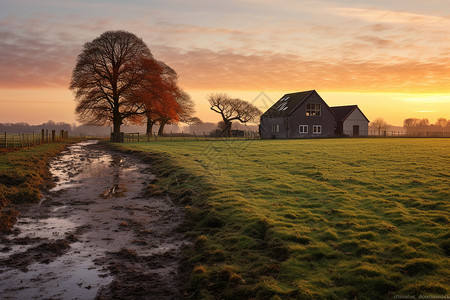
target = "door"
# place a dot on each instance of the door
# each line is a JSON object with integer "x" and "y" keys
{"x": 355, "y": 130}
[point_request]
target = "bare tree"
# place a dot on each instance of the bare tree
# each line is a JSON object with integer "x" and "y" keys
{"x": 233, "y": 109}
{"x": 379, "y": 124}
{"x": 107, "y": 70}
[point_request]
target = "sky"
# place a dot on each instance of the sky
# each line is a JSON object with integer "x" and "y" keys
{"x": 391, "y": 58}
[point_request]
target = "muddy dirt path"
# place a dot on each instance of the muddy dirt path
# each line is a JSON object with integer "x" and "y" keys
{"x": 95, "y": 234}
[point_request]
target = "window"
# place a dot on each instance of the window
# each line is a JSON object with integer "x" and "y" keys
{"x": 276, "y": 128}
{"x": 302, "y": 128}
{"x": 317, "y": 129}
{"x": 282, "y": 106}
{"x": 283, "y": 103}
{"x": 312, "y": 109}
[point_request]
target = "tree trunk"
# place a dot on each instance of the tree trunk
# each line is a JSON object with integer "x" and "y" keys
{"x": 227, "y": 129}
{"x": 149, "y": 125}
{"x": 161, "y": 129}
{"x": 117, "y": 121}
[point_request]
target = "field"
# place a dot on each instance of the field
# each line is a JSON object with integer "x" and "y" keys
{"x": 329, "y": 218}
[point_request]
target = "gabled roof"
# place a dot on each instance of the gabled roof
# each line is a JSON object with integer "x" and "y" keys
{"x": 287, "y": 104}
{"x": 343, "y": 112}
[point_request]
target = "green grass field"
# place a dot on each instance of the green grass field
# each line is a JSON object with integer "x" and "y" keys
{"x": 329, "y": 218}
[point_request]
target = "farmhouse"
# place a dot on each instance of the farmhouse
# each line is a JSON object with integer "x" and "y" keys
{"x": 307, "y": 115}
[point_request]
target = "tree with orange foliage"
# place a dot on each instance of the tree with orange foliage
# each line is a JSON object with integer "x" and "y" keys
{"x": 157, "y": 94}
{"x": 184, "y": 112}
{"x": 163, "y": 101}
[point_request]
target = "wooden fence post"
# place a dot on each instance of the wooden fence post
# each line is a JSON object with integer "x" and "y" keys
{"x": 6, "y": 141}
{"x": 53, "y": 135}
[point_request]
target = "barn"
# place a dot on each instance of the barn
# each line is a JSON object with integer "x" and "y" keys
{"x": 307, "y": 115}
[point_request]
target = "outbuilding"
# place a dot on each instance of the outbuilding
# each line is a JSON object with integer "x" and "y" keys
{"x": 350, "y": 121}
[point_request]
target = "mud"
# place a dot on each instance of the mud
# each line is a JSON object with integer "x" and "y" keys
{"x": 95, "y": 234}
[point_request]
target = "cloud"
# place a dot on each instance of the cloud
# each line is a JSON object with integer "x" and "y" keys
{"x": 376, "y": 41}
{"x": 33, "y": 62}
{"x": 434, "y": 99}
{"x": 388, "y": 16}
{"x": 40, "y": 52}
{"x": 205, "y": 69}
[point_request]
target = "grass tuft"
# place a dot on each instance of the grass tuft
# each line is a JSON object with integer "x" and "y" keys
{"x": 419, "y": 266}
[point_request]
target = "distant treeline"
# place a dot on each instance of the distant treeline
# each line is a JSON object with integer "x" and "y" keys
{"x": 414, "y": 125}
{"x": 74, "y": 129}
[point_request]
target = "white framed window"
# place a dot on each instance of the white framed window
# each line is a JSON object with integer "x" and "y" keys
{"x": 276, "y": 128}
{"x": 313, "y": 109}
{"x": 302, "y": 128}
{"x": 317, "y": 129}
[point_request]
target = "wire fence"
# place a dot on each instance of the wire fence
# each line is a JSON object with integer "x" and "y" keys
{"x": 154, "y": 137}
{"x": 254, "y": 135}
{"x": 415, "y": 134}
{"x": 21, "y": 140}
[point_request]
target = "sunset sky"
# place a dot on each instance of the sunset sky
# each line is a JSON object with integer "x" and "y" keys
{"x": 392, "y": 58}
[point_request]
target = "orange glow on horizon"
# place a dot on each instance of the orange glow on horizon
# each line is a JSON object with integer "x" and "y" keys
{"x": 391, "y": 59}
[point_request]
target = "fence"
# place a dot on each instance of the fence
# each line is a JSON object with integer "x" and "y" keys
{"x": 425, "y": 134}
{"x": 252, "y": 135}
{"x": 21, "y": 140}
{"x": 153, "y": 137}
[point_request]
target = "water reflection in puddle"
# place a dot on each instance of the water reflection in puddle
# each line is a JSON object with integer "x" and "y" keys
{"x": 63, "y": 280}
{"x": 98, "y": 208}
{"x": 72, "y": 275}
{"x": 74, "y": 165}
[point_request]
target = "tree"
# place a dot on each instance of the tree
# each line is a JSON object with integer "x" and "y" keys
{"x": 185, "y": 109}
{"x": 108, "y": 69}
{"x": 441, "y": 122}
{"x": 157, "y": 93}
{"x": 233, "y": 109}
{"x": 379, "y": 124}
{"x": 163, "y": 101}
{"x": 410, "y": 124}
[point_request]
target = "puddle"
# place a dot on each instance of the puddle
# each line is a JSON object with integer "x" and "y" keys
{"x": 62, "y": 279}
{"x": 64, "y": 247}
